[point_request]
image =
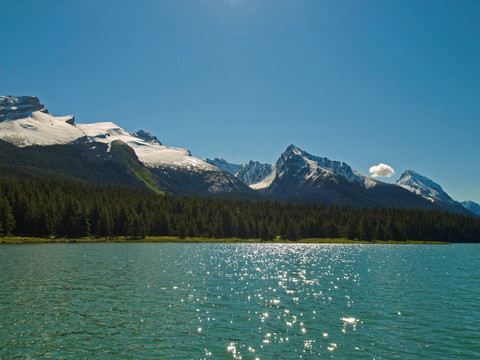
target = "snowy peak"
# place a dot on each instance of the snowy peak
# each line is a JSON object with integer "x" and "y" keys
{"x": 250, "y": 174}
{"x": 294, "y": 163}
{"x": 148, "y": 148}
{"x": 306, "y": 166}
{"x": 24, "y": 121}
{"x": 17, "y": 107}
{"x": 293, "y": 150}
{"x": 254, "y": 172}
{"x": 145, "y": 135}
{"x": 224, "y": 165}
{"x": 424, "y": 187}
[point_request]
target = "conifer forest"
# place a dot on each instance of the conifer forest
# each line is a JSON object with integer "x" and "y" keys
{"x": 52, "y": 208}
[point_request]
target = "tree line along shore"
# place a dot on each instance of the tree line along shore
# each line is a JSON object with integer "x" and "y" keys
{"x": 55, "y": 210}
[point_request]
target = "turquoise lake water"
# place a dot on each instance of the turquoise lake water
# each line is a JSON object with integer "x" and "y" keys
{"x": 239, "y": 301}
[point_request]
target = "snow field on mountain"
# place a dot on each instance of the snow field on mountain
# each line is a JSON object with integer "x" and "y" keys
{"x": 39, "y": 129}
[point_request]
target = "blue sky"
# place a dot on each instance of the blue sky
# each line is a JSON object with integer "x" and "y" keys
{"x": 364, "y": 82}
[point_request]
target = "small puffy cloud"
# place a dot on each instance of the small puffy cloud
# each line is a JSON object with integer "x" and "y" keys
{"x": 381, "y": 170}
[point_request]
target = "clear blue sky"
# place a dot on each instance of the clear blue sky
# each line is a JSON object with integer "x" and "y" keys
{"x": 363, "y": 82}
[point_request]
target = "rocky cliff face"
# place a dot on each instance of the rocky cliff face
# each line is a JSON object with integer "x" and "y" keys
{"x": 145, "y": 135}
{"x": 18, "y": 107}
{"x": 254, "y": 172}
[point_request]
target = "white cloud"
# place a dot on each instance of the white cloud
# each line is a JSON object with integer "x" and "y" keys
{"x": 381, "y": 170}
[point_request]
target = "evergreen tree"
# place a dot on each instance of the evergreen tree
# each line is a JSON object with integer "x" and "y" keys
{"x": 182, "y": 230}
{"x": 218, "y": 232}
{"x": 292, "y": 232}
{"x": 379, "y": 233}
{"x": 105, "y": 224}
{"x": 7, "y": 220}
{"x": 136, "y": 227}
{"x": 61, "y": 208}
{"x": 330, "y": 229}
{"x": 265, "y": 233}
{"x": 365, "y": 230}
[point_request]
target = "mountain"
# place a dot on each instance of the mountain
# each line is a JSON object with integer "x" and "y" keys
{"x": 34, "y": 143}
{"x": 225, "y": 165}
{"x": 251, "y": 173}
{"x": 24, "y": 122}
{"x": 301, "y": 177}
{"x": 86, "y": 162}
{"x": 471, "y": 206}
{"x": 430, "y": 190}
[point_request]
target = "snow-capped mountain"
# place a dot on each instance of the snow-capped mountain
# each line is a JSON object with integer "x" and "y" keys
{"x": 305, "y": 166}
{"x": 225, "y": 165}
{"x": 34, "y": 125}
{"x": 35, "y": 143}
{"x": 17, "y": 107}
{"x": 251, "y": 173}
{"x": 471, "y": 206}
{"x": 300, "y": 176}
{"x": 428, "y": 189}
{"x": 423, "y": 186}
{"x": 148, "y": 149}
{"x": 254, "y": 173}
{"x": 24, "y": 121}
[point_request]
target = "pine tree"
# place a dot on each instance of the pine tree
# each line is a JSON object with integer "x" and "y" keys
{"x": 365, "y": 230}
{"x": 105, "y": 224}
{"x": 292, "y": 232}
{"x": 379, "y": 233}
{"x": 182, "y": 230}
{"x": 265, "y": 233}
{"x": 7, "y": 220}
{"x": 136, "y": 227}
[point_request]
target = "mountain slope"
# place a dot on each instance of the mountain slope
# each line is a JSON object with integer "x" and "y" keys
{"x": 251, "y": 173}
{"x": 25, "y": 123}
{"x": 35, "y": 143}
{"x": 302, "y": 177}
{"x": 430, "y": 190}
{"x": 87, "y": 162}
{"x": 471, "y": 206}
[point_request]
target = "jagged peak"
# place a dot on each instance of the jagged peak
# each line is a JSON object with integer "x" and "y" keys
{"x": 293, "y": 149}
{"x": 145, "y": 135}
{"x": 6, "y": 100}
{"x": 17, "y": 107}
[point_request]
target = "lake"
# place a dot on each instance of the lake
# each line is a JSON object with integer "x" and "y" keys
{"x": 239, "y": 301}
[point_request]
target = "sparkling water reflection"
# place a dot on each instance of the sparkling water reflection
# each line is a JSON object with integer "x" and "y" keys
{"x": 239, "y": 301}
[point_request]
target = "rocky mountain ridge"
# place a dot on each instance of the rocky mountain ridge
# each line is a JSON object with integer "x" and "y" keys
{"x": 296, "y": 175}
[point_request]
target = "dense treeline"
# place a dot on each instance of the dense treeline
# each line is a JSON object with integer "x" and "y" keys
{"x": 70, "y": 209}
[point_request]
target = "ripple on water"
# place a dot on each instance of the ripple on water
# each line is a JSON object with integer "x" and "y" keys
{"x": 239, "y": 301}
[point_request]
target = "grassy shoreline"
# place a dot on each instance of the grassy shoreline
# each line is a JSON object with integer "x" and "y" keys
{"x": 173, "y": 239}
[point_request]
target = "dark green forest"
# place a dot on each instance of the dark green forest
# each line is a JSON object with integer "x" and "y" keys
{"x": 61, "y": 208}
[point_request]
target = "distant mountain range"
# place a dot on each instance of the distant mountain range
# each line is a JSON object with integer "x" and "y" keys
{"x": 299, "y": 176}
{"x": 34, "y": 144}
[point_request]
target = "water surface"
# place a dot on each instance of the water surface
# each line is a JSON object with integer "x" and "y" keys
{"x": 239, "y": 301}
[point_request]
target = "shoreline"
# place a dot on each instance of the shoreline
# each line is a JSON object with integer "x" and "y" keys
{"x": 174, "y": 239}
